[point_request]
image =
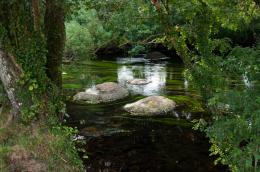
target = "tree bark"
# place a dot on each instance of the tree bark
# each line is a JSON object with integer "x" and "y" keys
{"x": 36, "y": 15}
{"x": 55, "y": 33}
{"x": 10, "y": 73}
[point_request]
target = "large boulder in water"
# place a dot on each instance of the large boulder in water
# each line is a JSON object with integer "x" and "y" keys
{"x": 156, "y": 55}
{"x": 151, "y": 106}
{"x": 102, "y": 93}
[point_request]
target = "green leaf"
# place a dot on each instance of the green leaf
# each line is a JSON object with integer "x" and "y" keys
{"x": 30, "y": 88}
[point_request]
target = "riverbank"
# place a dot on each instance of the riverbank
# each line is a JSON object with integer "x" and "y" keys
{"x": 44, "y": 145}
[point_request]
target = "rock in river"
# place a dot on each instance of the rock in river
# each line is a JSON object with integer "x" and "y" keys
{"x": 151, "y": 106}
{"x": 102, "y": 93}
{"x": 156, "y": 55}
{"x": 138, "y": 82}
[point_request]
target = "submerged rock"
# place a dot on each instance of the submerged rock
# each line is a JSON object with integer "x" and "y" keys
{"x": 102, "y": 93}
{"x": 151, "y": 106}
{"x": 138, "y": 82}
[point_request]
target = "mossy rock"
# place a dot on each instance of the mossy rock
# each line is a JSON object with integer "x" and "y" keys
{"x": 192, "y": 105}
{"x": 102, "y": 93}
{"x": 151, "y": 106}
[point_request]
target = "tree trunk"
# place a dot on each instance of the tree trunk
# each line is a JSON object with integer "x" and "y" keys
{"x": 36, "y": 15}
{"x": 55, "y": 33}
{"x": 10, "y": 73}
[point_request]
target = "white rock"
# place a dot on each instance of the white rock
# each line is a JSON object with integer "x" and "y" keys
{"x": 151, "y": 106}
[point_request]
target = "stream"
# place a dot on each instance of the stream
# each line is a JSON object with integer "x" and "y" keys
{"x": 115, "y": 141}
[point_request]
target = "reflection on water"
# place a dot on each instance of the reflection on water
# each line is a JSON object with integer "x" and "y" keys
{"x": 163, "y": 76}
{"x": 115, "y": 141}
{"x": 186, "y": 84}
{"x": 131, "y": 60}
{"x": 155, "y": 74}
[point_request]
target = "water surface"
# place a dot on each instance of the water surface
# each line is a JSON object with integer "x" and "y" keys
{"x": 115, "y": 141}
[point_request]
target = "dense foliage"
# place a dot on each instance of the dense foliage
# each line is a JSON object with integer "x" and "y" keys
{"x": 92, "y": 25}
{"x": 225, "y": 70}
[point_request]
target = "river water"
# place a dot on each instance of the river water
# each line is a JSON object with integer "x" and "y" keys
{"x": 114, "y": 141}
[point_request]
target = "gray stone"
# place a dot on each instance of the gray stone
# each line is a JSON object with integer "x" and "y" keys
{"x": 102, "y": 93}
{"x": 151, "y": 106}
{"x": 138, "y": 82}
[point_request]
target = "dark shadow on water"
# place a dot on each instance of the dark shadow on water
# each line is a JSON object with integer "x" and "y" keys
{"x": 115, "y": 141}
{"x": 151, "y": 149}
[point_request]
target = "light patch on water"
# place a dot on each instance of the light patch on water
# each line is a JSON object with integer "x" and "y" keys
{"x": 187, "y": 115}
{"x": 125, "y": 73}
{"x": 78, "y": 137}
{"x": 246, "y": 81}
{"x": 155, "y": 74}
{"x": 176, "y": 115}
{"x": 186, "y": 84}
{"x": 131, "y": 60}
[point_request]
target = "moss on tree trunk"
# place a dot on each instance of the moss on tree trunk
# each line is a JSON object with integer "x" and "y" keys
{"x": 55, "y": 34}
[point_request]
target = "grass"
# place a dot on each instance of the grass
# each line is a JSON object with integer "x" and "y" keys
{"x": 45, "y": 144}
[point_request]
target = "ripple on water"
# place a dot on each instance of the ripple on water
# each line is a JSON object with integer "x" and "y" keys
{"x": 116, "y": 141}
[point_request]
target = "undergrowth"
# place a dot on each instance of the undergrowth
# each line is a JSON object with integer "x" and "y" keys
{"x": 47, "y": 142}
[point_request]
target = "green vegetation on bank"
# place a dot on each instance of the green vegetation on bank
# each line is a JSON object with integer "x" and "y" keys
{"x": 44, "y": 145}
